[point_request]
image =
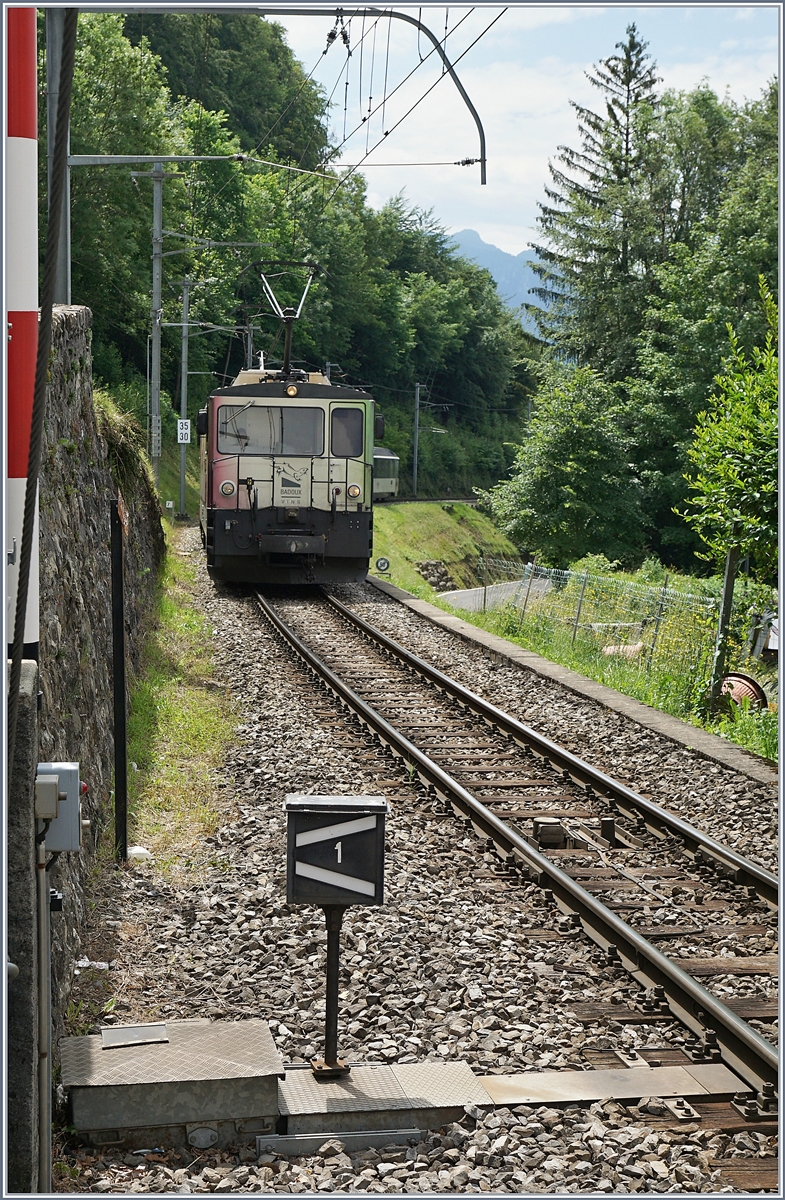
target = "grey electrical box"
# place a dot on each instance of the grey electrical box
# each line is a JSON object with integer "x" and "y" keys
{"x": 65, "y": 831}
{"x": 335, "y": 849}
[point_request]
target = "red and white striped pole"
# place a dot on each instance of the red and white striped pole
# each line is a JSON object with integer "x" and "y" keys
{"x": 21, "y": 283}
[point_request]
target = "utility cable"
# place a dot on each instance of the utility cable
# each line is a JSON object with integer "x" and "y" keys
{"x": 360, "y": 84}
{"x": 370, "y": 87}
{"x": 409, "y": 111}
{"x": 294, "y": 98}
{"x": 386, "y": 65}
{"x": 405, "y": 79}
{"x": 336, "y": 149}
{"x": 325, "y": 110}
{"x": 251, "y": 157}
{"x": 58, "y": 181}
{"x": 444, "y": 43}
{"x": 456, "y": 162}
{"x": 340, "y": 182}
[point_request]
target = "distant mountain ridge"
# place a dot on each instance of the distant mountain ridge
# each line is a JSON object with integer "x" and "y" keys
{"x": 512, "y": 272}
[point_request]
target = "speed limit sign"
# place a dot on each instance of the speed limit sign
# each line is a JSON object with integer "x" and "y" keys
{"x": 184, "y": 432}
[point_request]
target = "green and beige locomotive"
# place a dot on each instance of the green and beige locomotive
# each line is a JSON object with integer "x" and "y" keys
{"x": 286, "y": 479}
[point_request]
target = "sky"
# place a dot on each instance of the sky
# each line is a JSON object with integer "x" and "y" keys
{"x": 521, "y": 76}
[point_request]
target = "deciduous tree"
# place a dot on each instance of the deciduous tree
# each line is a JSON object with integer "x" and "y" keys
{"x": 572, "y": 492}
{"x": 734, "y": 455}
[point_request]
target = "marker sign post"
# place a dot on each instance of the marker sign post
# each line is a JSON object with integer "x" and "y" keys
{"x": 335, "y": 857}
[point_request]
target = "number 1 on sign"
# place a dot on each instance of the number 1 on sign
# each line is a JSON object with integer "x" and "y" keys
{"x": 338, "y": 850}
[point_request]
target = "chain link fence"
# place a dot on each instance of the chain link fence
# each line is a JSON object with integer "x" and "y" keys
{"x": 613, "y": 616}
{"x": 619, "y": 617}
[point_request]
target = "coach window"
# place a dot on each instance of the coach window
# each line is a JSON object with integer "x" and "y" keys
{"x": 346, "y": 433}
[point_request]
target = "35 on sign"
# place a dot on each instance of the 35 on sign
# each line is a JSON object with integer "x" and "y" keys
{"x": 184, "y": 432}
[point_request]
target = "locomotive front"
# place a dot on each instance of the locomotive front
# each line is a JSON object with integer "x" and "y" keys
{"x": 286, "y": 480}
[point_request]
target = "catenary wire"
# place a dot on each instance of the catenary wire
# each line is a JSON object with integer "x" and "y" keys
{"x": 359, "y": 126}
{"x": 386, "y": 65}
{"x": 412, "y": 108}
{"x": 405, "y": 79}
{"x": 370, "y": 87}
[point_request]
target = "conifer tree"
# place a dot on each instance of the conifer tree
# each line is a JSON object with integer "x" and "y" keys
{"x": 602, "y": 225}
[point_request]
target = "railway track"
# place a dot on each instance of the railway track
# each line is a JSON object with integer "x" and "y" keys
{"x": 623, "y": 869}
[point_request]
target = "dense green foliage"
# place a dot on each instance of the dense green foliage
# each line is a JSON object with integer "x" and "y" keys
{"x": 734, "y": 487}
{"x": 654, "y": 234}
{"x": 571, "y": 492}
{"x": 393, "y": 304}
{"x": 237, "y": 64}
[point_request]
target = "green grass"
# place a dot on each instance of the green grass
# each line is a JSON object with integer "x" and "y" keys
{"x": 756, "y": 731}
{"x": 169, "y": 486}
{"x": 450, "y": 532}
{"x": 180, "y": 726}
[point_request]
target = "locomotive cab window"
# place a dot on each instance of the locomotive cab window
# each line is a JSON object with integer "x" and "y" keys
{"x": 270, "y": 430}
{"x": 346, "y": 433}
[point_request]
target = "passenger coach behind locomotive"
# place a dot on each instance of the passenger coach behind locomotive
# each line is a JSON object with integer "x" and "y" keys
{"x": 286, "y": 479}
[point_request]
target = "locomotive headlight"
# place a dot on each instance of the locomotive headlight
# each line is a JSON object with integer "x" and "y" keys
{"x": 353, "y": 490}
{"x": 291, "y": 390}
{"x": 227, "y": 488}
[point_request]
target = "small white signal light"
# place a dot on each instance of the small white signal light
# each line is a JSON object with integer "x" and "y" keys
{"x": 353, "y": 490}
{"x": 291, "y": 390}
{"x": 227, "y": 488}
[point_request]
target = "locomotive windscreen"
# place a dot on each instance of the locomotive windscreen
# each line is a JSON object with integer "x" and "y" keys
{"x": 270, "y": 430}
{"x": 346, "y": 433}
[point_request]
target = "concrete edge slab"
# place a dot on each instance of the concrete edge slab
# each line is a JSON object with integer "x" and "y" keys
{"x": 623, "y": 1083}
{"x": 707, "y": 745}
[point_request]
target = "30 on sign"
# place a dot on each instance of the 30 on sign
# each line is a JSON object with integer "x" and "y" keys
{"x": 184, "y": 432}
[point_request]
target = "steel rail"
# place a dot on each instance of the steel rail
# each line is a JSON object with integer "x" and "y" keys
{"x": 741, "y": 869}
{"x": 745, "y": 1051}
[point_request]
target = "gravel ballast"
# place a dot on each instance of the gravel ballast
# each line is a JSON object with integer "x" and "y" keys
{"x": 454, "y": 966}
{"x": 730, "y": 806}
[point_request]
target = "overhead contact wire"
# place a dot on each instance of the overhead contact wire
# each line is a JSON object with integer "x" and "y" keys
{"x": 405, "y": 79}
{"x": 415, "y": 105}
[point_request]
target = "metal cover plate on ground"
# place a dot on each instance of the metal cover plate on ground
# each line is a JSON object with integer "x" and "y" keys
{"x": 377, "y": 1097}
{"x": 368, "y": 1088}
{"x": 717, "y": 1079}
{"x": 195, "y": 1051}
{"x": 440, "y": 1085}
{"x": 543, "y": 1087}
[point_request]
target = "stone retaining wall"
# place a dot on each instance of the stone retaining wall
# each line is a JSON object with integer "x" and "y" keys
{"x": 77, "y": 484}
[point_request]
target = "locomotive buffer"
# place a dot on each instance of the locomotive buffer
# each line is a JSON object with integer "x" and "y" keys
{"x": 335, "y": 857}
